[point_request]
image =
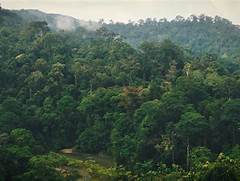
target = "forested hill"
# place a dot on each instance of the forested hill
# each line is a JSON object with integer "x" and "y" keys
{"x": 198, "y": 34}
{"x": 55, "y": 21}
{"x": 8, "y": 18}
{"x": 201, "y": 33}
{"x": 160, "y": 113}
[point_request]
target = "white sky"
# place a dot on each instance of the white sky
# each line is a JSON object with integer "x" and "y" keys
{"x": 123, "y": 10}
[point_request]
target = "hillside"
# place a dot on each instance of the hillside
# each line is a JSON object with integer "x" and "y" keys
{"x": 8, "y": 18}
{"x": 200, "y": 34}
{"x": 197, "y": 34}
{"x": 56, "y": 21}
{"x": 158, "y": 112}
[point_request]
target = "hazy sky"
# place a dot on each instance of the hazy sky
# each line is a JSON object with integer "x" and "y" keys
{"x": 123, "y": 10}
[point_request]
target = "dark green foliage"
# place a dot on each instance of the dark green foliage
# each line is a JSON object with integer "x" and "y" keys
{"x": 52, "y": 167}
{"x": 159, "y": 111}
{"x": 94, "y": 139}
{"x": 223, "y": 169}
{"x": 199, "y": 34}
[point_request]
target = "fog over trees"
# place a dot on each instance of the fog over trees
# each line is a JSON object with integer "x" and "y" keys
{"x": 146, "y": 100}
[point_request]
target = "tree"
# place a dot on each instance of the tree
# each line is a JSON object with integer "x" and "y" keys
{"x": 149, "y": 124}
{"x": 222, "y": 169}
{"x": 66, "y": 104}
{"x": 147, "y": 117}
{"x": 55, "y": 79}
{"x": 35, "y": 30}
{"x": 192, "y": 87}
{"x": 123, "y": 141}
{"x": 199, "y": 156}
{"x": 157, "y": 59}
{"x": 41, "y": 65}
{"x": 34, "y": 82}
{"x": 172, "y": 105}
{"x": 229, "y": 122}
{"x": 92, "y": 140}
{"x": 52, "y": 167}
{"x": 191, "y": 125}
{"x": 22, "y": 137}
{"x": 77, "y": 69}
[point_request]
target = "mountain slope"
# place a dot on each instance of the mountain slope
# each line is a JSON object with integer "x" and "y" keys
{"x": 200, "y": 34}
{"x": 55, "y": 21}
{"x": 8, "y": 18}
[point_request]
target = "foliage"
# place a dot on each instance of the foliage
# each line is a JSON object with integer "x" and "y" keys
{"x": 199, "y": 34}
{"x": 160, "y": 111}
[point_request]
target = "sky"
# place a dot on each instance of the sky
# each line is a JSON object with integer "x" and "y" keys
{"x": 123, "y": 10}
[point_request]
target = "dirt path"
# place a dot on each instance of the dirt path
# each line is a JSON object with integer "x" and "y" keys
{"x": 100, "y": 158}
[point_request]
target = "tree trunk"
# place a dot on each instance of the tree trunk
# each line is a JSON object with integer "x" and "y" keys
{"x": 205, "y": 141}
{"x": 91, "y": 87}
{"x": 173, "y": 156}
{"x": 130, "y": 80}
{"x": 234, "y": 136}
{"x": 188, "y": 154}
{"x": 75, "y": 79}
{"x": 30, "y": 93}
{"x": 173, "y": 153}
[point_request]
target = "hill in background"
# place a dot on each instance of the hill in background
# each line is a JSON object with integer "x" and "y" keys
{"x": 198, "y": 34}
{"x": 201, "y": 33}
{"x": 55, "y": 21}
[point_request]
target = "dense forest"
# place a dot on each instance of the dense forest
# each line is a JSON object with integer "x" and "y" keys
{"x": 197, "y": 34}
{"x": 161, "y": 111}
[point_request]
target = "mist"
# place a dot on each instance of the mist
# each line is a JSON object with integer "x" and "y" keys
{"x": 65, "y": 23}
{"x": 123, "y": 10}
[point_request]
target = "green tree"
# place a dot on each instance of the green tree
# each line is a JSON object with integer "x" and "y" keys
{"x": 52, "y": 167}
{"x": 222, "y": 169}
{"x": 191, "y": 125}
